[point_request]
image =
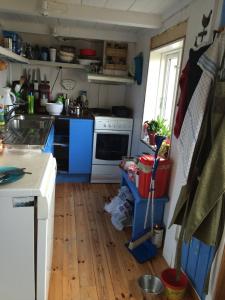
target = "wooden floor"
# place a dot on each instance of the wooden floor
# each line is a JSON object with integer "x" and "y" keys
{"x": 90, "y": 261}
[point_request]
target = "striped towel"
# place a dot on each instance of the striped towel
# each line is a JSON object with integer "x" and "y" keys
{"x": 210, "y": 63}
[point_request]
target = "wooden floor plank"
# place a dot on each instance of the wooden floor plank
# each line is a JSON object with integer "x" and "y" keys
{"x": 118, "y": 276}
{"x": 85, "y": 264}
{"x": 55, "y": 289}
{"x": 71, "y": 280}
{"x": 103, "y": 279}
{"x": 89, "y": 293}
{"x": 90, "y": 261}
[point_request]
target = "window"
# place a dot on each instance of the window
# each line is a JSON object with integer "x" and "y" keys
{"x": 162, "y": 82}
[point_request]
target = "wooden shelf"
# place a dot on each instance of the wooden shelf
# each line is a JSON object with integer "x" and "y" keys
{"x": 116, "y": 52}
{"x": 119, "y": 67}
{"x": 10, "y": 56}
{"x": 56, "y": 64}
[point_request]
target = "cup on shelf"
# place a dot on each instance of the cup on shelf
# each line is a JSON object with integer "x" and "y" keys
{"x": 52, "y": 52}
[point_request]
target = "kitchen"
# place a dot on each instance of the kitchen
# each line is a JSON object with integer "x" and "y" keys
{"x": 76, "y": 272}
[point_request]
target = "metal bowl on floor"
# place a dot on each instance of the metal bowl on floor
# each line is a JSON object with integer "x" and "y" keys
{"x": 151, "y": 286}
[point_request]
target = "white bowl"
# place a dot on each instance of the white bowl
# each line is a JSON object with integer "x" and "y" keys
{"x": 69, "y": 54}
{"x": 66, "y": 59}
{"x": 54, "y": 109}
{"x": 87, "y": 62}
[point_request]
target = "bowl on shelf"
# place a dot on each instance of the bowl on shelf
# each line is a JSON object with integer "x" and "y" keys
{"x": 54, "y": 109}
{"x": 65, "y": 56}
{"x": 87, "y": 52}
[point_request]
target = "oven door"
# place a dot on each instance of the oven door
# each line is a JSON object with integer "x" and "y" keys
{"x": 110, "y": 146}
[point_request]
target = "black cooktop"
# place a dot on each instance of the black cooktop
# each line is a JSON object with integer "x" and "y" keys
{"x": 116, "y": 111}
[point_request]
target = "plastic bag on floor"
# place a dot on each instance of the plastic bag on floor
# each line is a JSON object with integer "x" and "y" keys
{"x": 111, "y": 206}
{"x": 121, "y": 208}
{"x": 122, "y": 215}
{"x": 125, "y": 194}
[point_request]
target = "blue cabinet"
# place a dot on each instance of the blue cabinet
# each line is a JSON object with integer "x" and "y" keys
{"x": 80, "y": 146}
{"x": 140, "y": 206}
{"x": 49, "y": 145}
{"x": 197, "y": 259}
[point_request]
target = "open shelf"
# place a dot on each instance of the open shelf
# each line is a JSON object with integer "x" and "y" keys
{"x": 100, "y": 78}
{"x": 56, "y": 64}
{"x": 140, "y": 206}
{"x": 12, "y": 57}
{"x": 61, "y": 144}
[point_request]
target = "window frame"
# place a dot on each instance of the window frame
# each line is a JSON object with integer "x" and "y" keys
{"x": 166, "y": 56}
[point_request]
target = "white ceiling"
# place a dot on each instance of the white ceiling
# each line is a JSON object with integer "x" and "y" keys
{"x": 143, "y": 6}
{"x": 119, "y": 16}
{"x": 63, "y": 22}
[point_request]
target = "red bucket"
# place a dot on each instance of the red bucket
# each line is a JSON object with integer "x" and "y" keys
{"x": 174, "y": 289}
{"x": 162, "y": 176}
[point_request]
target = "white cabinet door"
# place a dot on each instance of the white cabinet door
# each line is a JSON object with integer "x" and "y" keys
{"x": 17, "y": 262}
{"x": 45, "y": 237}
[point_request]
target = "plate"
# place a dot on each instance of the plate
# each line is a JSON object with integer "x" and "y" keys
{"x": 9, "y": 178}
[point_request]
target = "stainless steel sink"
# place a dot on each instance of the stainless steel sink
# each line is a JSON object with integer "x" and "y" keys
{"x": 27, "y": 130}
{"x": 22, "y": 122}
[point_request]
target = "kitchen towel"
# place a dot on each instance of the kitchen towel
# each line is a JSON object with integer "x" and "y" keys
{"x": 210, "y": 63}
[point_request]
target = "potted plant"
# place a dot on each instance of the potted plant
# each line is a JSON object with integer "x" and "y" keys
{"x": 163, "y": 128}
{"x": 152, "y": 128}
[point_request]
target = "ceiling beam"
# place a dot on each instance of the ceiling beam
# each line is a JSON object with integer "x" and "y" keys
{"x": 69, "y": 11}
{"x": 70, "y": 32}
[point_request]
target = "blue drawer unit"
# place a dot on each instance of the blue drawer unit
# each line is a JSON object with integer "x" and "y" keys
{"x": 49, "y": 145}
{"x": 80, "y": 146}
{"x": 197, "y": 259}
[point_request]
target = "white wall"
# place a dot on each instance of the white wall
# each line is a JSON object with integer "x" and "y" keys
{"x": 99, "y": 95}
{"x": 135, "y": 97}
{"x": 3, "y": 79}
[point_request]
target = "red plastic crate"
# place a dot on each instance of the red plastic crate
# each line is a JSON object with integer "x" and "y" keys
{"x": 162, "y": 176}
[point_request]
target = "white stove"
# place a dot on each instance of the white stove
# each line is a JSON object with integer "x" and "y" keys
{"x": 112, "y": 141}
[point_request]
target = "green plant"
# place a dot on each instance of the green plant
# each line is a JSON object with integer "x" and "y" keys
{"x": 151, "y": 126}
{"x": 60, "y": 99}
{"x": 163, "y": 128}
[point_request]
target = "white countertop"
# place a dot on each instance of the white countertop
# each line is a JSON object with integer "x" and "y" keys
{"x": 35, "y": 184}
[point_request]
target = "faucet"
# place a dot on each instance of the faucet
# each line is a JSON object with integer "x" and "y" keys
{"x": 11, "y": 113}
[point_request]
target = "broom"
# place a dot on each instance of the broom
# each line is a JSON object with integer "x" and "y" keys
{"x": 135, "y": 243}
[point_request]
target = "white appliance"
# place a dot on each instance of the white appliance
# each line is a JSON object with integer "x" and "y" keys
{"x": 112, "y": 141}
{"x": 26, "y": 227}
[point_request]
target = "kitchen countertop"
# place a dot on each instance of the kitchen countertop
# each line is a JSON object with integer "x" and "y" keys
{"x": 30, "y": 184}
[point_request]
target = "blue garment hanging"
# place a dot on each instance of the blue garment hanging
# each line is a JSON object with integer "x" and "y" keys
{"x": 138, "y": 60}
